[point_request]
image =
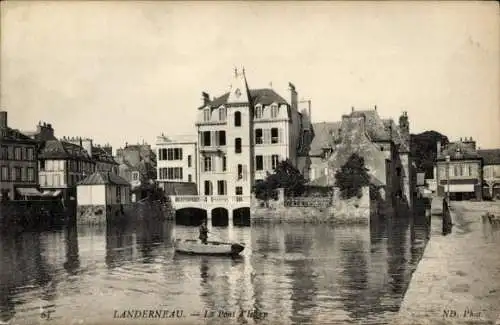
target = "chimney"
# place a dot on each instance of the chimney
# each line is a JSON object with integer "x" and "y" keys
{"x": 205, "y": 97}
{"x": 352, "y": 108}
{"x": 3, "y": 119}
{"x": 375, "y": 107}
{"x": 293, "y": 95}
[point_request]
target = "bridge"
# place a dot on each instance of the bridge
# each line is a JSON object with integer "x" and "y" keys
{"x": 212, "y": 206}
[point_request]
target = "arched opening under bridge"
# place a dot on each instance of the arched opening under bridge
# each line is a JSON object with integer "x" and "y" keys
{"x": 241, "y": 217}
{"x": 190, "y": 216}
{"x": 220, "y": 217}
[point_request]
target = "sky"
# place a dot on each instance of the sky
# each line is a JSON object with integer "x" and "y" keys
{"x": 129, "y": 71}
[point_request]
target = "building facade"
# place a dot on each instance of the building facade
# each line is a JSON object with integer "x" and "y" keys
{"x": 18, "y": 161}
{"x": 459, "y": 170}
{"x": 491, "y": 173}
{"x": 101, "y": 155}
{"x": 177, "y": 159}
{"x": 61, "y": 166}
{"x": 243, "y": 134}
{"x": 384, "y": 145}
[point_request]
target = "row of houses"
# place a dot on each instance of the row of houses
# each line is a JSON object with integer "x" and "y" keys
{"x": 37, "y": 165}
{"x": 241, "y": 135}
{"x": 466, "y": 172}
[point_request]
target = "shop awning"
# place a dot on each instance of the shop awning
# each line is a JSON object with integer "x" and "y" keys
{"x": 29, "y": 192}
{"x": 52, "y": 193}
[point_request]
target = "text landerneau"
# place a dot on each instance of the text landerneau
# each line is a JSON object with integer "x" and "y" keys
{"x": 148, "y": 313}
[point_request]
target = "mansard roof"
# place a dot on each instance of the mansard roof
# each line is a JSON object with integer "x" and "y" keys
{"x": 490, "y": 156}
{"x": 57, "y": 149}
{"x": 264, "y": 96}
{"x": 459, "y": 151}
{"x": 323, "y": 136}
{"x": 9, "y": 134}
{"x": 101, "y": 155}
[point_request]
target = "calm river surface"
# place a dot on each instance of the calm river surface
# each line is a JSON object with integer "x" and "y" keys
{"x": 297, "y": 274}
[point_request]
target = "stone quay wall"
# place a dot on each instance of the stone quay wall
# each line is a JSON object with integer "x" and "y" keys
{"x": 458, "y": 278}
{"x": 119, "y": 213}
{"x": 351, "y": 211}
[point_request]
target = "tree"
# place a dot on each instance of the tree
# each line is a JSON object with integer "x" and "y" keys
{"x": 423, "y": 150}
{"x": 285, "y": 176}
{"x": 352, "y": 176}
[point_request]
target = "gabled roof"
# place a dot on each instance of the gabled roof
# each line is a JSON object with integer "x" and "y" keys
{"x": 104, "y": 178}
{"x": 101, "y": 155}
{"x": 57, "y": 149}
{"x": 490, "y": 156}
{"x": 264, "y": 96}
{"x": 323, "y": 136}
{"x": 375, "y": 127}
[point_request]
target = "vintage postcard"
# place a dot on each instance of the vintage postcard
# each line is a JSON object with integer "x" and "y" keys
{"x": 182, "y": 162}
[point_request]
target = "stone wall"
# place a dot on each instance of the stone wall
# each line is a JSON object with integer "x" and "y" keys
{"x": 27, "y": 215}
{"x": 119, "y": 213}
{"x": 355, "y": 210}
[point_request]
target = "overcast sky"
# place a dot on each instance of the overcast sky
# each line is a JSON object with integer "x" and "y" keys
{"x": 127, "y": 71}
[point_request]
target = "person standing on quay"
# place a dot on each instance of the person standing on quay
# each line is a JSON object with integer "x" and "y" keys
{"x": 203, "y": 231}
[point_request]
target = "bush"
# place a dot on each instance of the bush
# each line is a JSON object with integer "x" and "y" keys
{"x": 352, "y": 176}
{"x": 285, "y": 176}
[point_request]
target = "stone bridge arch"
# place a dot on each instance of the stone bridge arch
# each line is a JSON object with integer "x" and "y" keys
{"x": 241, "y": 216}
{"x": 220, "y": 217}
{"x": 190, "y": 216}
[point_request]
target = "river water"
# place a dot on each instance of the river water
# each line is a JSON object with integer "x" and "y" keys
{"x": 288, "y": 274}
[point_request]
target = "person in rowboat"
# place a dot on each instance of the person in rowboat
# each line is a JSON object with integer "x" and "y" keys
{"x": 203, "y": 231}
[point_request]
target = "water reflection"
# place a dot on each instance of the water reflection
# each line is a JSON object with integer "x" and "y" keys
{"x": 297, "y": 273}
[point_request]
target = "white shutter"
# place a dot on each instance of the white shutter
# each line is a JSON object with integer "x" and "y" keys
{"x": 267, "y": 136}
{"x": 280, "y": 136}
{"x": 245, "y": 173}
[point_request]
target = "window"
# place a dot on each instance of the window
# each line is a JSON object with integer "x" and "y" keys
{"x": 221, "y": 136}
{"x": 135, "y": 176}
{"x": 258, "y": 112}
{"x": 24, "y": 174}
{"x": 398, "y": 171}
{"x": 465, "y": 170}
{"x": 4, "y": 152}
{"x": 5, "y": 173}
{"x": 17, "y": 153}
{"x": 16, "y": 174}
{"x": 222, "y": 114}
{"x": 451, "y": 171}
{"x": 57, "y": 181}
{"x": 170, "y": 154}
{"x": 30, "y": 154}
{"x": 43, "y": 180}
{"x": 240, "y": 171}
{"x": 221, "y": 187}
{"x": 118, "y": 194}
{"x": 190, "y": 178}
{"x": 171, "y": 173}
{"x": 31, "y": 174}
{"x": 274, "y": 111}
{"x": 207, "y": 164}
{"x": 23, "y": 153}
{"x": 205, "y": 139}
{"x": 274, "y": 135}
{"x": 224, "y": 163}
{"x": 325, "y": 171}
{"x": 208, "y": 188}
{"x": 10, "y": 153}
{"x": 237, "y": 118}
{"x": 258, "y": 136}
{"x": 239, "y": 190}
{"x": 206, "y": 115}
{"x": 471, "y": 171}
{"x": 237, "y": 145}
{"x": 259, "y": 163}
{"x": 457, "y": 170}
{"x": 274, "y": 161}
{"x": 189, "y": 161}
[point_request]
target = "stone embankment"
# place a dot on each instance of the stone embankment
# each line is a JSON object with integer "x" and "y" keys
{"x": 458, "y": 279}
{"x": 351, "y": 211}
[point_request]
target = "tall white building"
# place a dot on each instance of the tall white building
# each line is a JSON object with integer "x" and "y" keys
{"x": 242, "y": 135}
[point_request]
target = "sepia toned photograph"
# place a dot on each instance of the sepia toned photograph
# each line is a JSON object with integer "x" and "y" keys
{"x": 249, "y": 162}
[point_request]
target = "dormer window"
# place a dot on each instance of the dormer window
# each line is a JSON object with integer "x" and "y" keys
{"x": 206, "y": 114}
{"x": 258, "y": 111}
{"x": 222, "y": 113}
{"x": 274, "y": 111}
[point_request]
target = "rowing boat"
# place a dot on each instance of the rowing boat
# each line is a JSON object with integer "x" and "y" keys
{"x": 196, "y": 247}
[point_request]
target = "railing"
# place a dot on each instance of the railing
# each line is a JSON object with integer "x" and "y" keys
{"x": 210, "y": 199}
{"x": 322, "y": 202}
